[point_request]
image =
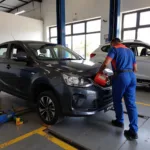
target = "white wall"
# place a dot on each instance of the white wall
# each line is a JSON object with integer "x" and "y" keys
{"x": 129, "y": 5}
{"x": 85, "y": 9}
{"x": 21, "y": 28}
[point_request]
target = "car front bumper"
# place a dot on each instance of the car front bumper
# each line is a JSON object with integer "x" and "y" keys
{"x": 76, "y": 112}
{"x": 86, "y": 101}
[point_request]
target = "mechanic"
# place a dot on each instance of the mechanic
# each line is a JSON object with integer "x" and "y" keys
{"x": 124, "y": 85}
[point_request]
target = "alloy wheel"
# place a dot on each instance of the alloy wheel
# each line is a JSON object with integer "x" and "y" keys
{"x": 47, "y": 108}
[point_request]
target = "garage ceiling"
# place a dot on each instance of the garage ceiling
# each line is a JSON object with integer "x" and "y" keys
{"x": 10, "y": 5}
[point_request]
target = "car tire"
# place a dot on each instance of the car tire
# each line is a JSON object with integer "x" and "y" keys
{"x": 48, "y": 108}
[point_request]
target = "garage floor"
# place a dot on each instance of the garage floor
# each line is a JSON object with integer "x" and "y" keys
{"x": 94, "y": 133}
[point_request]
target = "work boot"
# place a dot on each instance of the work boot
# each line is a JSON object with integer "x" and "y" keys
{"x": 130, "y": 135}
{"x": 117, "y": 124}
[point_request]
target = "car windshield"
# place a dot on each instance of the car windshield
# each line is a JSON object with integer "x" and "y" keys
{"x": 45, "y": 51}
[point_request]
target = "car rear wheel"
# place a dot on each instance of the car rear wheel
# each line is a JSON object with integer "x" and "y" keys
{"x": 48, "y": 108}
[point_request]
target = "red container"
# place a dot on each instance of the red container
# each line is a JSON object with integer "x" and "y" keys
{"x": 101, "y": 79}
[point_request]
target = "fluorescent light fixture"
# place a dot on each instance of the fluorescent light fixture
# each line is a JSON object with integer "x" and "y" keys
{"x": 20, "y": 12}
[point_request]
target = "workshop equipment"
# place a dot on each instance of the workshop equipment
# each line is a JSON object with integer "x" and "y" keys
{"x": 5, "y": 117}
{"x": 19, "y": 121}
{"x": 101, "y": 79}
{"x": 10, "y": 115}
{"x": 14, "y": 115}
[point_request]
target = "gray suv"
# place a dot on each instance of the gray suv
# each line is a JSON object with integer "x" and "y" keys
{"x": 54, "y": 77}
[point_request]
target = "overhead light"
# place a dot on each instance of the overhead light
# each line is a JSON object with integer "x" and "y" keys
{"x": 20, "y": 12}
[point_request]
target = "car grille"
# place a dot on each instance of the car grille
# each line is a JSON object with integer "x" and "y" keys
{"x": 105, "y": 97}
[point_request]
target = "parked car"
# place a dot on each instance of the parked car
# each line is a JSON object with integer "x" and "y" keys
{"x": 142, "y": 52}
{"x": 57, "y": 79}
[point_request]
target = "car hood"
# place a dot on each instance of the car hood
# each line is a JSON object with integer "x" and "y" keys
{"x": 80, "y": 67}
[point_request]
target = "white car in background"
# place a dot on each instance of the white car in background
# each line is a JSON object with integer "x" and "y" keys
{"x": 142, "y": 52}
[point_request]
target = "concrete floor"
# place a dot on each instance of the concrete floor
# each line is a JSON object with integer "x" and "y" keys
{"x": 143, "y": 97}
{"x": 34, "y": 142}
{"x": 95, "y": 132}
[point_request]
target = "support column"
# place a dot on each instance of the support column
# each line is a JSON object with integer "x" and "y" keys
{"x": 114, "y": 19}
{"x": 60, "y": 8}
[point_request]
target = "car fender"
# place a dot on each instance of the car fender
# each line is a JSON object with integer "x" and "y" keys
{"x": 37, "y": 82}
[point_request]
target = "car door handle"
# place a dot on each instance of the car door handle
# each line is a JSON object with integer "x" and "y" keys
{"x": 8, "y": 66}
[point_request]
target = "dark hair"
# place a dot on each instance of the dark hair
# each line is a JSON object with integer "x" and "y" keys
{"x": 116, "y": 40}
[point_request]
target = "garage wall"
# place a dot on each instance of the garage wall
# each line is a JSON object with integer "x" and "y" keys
{"x": 21, "y": 28}
{"x": 129, "y": 5}
{"x": 84, "y": 9}
{"x": 76, "y": 10}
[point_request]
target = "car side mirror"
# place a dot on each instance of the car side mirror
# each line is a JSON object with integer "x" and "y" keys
{"x": 20, "y": 56}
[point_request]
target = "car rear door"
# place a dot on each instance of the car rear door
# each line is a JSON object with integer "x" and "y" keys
{"x": 143, "y": 60}
{"x": 20, "y": 71}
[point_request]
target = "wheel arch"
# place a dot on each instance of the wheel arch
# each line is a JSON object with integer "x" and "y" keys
{"x": 40, "y": 85}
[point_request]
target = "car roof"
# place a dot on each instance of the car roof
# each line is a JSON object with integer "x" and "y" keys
{"x": 28, "y": 41}
{"x": 128, "y": 41}
{"x": 134, "y": 41}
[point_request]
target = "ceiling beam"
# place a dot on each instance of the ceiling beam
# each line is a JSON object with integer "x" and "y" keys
{"x": 40, "y": 1}
{"x": 5, "y": 7}
{"x": 2, "y": 1}
{"x": 23, "y": 1}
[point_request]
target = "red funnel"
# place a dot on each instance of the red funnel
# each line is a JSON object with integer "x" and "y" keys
{"x": 101, "y": 79}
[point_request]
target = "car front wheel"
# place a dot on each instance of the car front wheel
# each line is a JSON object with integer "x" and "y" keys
{"x": 48, "y": 108}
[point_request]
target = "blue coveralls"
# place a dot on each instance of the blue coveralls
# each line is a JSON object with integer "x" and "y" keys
{"x": 124, "y": 84}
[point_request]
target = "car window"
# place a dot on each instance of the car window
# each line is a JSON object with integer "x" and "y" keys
{"x": 126, "y": 44}
{"x": 141, "y": 50}
{"x": 61, "y": 53}
{"x": 14, "y": 49}
{"x": 3, "y": 50}
{"x": 56, "y": 52}
{"x": 45, "y": 51}
{"x": 106, "y": 48}
{"x": 134, "y": 49}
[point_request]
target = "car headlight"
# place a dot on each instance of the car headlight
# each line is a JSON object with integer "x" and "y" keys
{"x": 77, "y": 81}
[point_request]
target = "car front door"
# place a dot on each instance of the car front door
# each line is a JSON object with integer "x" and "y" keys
{"x": 20, "y": 71}
{"x": 143, "y": 61}
{"x": 4, "y": 76}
